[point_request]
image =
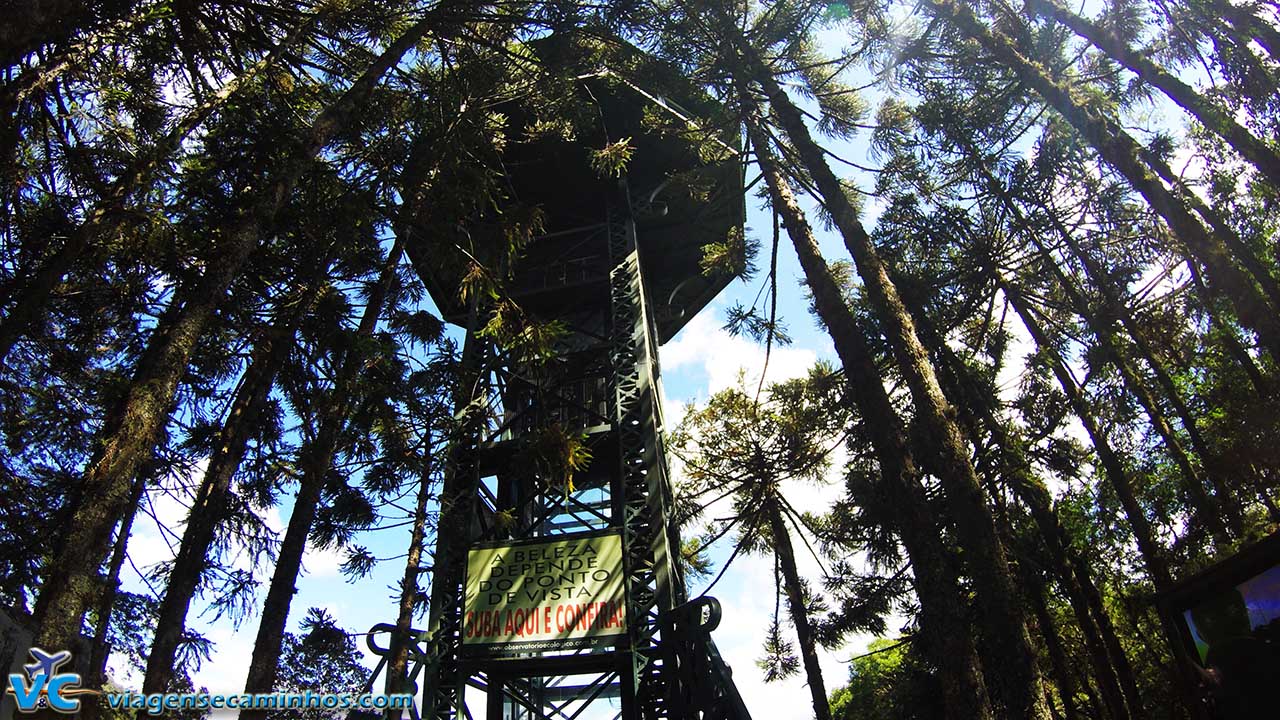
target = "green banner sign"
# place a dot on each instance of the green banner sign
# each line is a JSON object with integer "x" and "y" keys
{"x": 548, "y": 594}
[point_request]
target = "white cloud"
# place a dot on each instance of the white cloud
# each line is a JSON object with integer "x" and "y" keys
{"x": 324, "y": 563}
{"x": 157, "y": 529}
{"x": 227, "y": 669}
{"x": 704, "y": 344}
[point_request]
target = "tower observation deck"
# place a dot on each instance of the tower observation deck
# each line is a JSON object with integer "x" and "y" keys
{"x": 565, "y": 599}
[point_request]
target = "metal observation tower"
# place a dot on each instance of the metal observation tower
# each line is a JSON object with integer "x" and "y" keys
{"x": 561, "y": 601}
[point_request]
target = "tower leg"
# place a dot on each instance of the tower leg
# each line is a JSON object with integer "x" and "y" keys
{"x": 495, "y": 701}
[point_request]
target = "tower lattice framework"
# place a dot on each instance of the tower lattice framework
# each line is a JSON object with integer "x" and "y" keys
{"x": 617, "y": 272}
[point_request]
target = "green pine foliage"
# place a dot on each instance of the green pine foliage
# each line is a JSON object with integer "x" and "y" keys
{"x": 220, "y": 225}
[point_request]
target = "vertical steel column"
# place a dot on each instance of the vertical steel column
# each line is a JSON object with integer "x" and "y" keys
{"x": 651, "y": 585}
{"x": 640, "y": 495}
{"x": 495, "y": 700}
{"x": 444, "y": 684}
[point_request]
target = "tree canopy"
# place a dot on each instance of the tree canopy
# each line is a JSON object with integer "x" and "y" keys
{"x": 1041, "y": 238}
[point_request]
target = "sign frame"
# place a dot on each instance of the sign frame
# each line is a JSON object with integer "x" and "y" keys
{"x": 609, "y": 631}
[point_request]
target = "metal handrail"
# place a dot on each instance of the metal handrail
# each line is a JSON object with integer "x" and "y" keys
{"x": 701, "y": 682}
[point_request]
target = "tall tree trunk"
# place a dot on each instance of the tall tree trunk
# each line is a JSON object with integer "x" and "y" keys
{"x": 795, "y": 603}
{"x": 1114, "y": 675}
{"x": 1119, "y": 657}
{"x": 1135, "y": 608}
{"x": 1053, "y": 643}
{"x": 263, "y": 664}
{"x": 315, "y": 461}
{"x": 1118, "y": 308}
{"x": 900, "y": 493}
{"x": 131, "y": 427}
{"x": 978, "y": 411}
{"x": 457, "y": 508}
{"x": 1207, "y": 510}
{"x": 209, "y": 508}
{"x": 1123, "y": 153}
{"x": 109, "y": 214}
{"x": 92, "y": 709}
{"x": 1095, "y": 708}
{"x": 1262, "y": 383}
{"x": 1003, "y": 618}
{"x": 398, "y": 651}
{"x": 1234, "y": 244}
{"x": 424, "y": 159}
{"x": 1113, "y": 467}
{"x": 1152, "y": 554}
{"x": 1201, "y": 108}
{"x": 1245, "y": 21}
{"x": 1262, "y": 489}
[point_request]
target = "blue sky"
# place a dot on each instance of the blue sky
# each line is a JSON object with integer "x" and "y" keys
{"x": 700, "y": 361}
{"x": 703, "y": 359}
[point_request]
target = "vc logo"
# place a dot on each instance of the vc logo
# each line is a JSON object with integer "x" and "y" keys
{"x": 46, "y": 687}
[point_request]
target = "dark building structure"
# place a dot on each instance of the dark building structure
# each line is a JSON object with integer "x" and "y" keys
{"x": 618, "y": 271}
{"x": 1226, "y": 625}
